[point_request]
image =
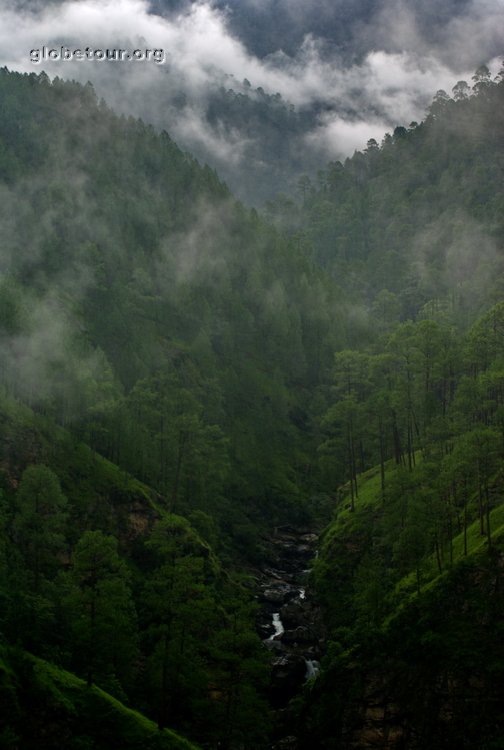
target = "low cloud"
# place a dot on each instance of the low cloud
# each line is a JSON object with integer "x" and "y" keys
{"x": 461, "y": 35}
{"x": 339, "y": 137}
{"x": 455, "y": 255}
{"x": 383, "y": 86}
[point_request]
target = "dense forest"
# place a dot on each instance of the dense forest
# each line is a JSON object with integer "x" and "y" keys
{"x": 181, "y": 376}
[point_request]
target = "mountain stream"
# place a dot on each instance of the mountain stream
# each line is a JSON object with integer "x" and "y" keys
{"x": 289, "y": 621}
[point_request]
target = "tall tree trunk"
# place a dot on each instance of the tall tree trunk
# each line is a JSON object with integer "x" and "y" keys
{"x": 438, "y": 555}
{"x": 465, "y": 526}
{"x": 396, "y": 440}
{"x": 382, "y": 458}
{"x": 90, "y": 665}
{"x": 487, "y": 513}
{"x": 480, "y": 509}
{"x": 163, "y": 701}
{"x": 180, "y": 456}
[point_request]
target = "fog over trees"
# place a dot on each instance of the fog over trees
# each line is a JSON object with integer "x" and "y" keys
{"x": 251, "y": 450}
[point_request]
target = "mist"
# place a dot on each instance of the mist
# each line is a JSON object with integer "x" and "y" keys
{"x": 394, "y": 59}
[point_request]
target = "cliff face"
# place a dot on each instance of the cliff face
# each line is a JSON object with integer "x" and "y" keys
{"x": 432, "y": 677}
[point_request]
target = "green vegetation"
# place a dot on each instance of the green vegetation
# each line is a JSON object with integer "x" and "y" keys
{"x": 178, "y": 377}
{"x": 141, "y": 609}
{"x": 430, "y": 676}
{"x": 50, "y": 708}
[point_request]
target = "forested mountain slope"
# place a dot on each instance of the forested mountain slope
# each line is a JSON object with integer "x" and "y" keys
{"x": 421, "y": 215}
{"x": 178, "y": 377}
{"x": 171, "y": 327}
{"x": 410, "y": 569}
{"x": 44, "y": 706}
{"x": 97, "y": 577}
{"x": 148, "y": 318}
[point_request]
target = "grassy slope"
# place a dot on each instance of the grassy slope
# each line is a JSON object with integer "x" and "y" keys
{"x": 52, "y": 708}
{"x": 347, "y": 525}
{"x": 100, "y": 494}
{"x": 432, "y": 673}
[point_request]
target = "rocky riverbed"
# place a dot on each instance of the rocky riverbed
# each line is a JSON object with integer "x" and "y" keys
{"x": 289, "y": 621}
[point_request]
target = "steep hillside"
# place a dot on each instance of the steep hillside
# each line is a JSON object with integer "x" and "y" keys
{"x": 419, "y": 217}
{"x": 170, "y": 327}
{"x": 179, "y": 379}
{"x": 430, "y": 676}
{"x": 46, "y": 707}
{"x": 97, "y": 577}
{"x": 410, "y": 570}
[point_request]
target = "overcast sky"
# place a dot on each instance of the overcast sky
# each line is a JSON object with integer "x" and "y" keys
{"x": 377, "y": 64}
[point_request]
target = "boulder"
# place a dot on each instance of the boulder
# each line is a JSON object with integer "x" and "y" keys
{"x": 288, "y": 668}
{"x": 309, "y": 538}
{"x": 274, "y": 595}
{"x": 295, "y": 613}
{"x": 299, "y": 635}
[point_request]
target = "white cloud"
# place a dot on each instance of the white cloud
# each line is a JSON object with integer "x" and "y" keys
{"x": 383, "y": 89}
{"x": 199, "y": 47}
{"x": 340, "y": 137}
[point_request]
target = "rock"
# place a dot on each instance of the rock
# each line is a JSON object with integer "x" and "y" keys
{"x": 274, "y": 596}
{"x": 302, "y": 550}
{"x": 282, "y": 591}
{"x": 263, "y": 631}
{"x": 271, "y": 573}
{"x": 288, "y": 668}
{"x": 309, "y": 538}
{"x": 312, "y": 652}
{"x": 275, "y": 646}
{"x": 291, "y": 593}
{"x": 286, "y": 743}
{"x": 287, "y": 548}
{"x": 294, "y": 613}
{"x": 301, "y": 634}
{"x": 279, "y": 593}
{"x": 287, "y": 678}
